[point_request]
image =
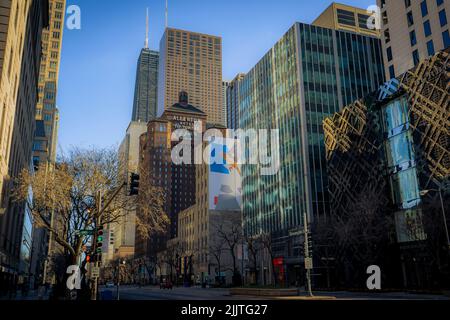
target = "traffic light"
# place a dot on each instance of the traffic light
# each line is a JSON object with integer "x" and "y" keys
{"x": 134, "y": 184}
{"x": 99, "y": 240}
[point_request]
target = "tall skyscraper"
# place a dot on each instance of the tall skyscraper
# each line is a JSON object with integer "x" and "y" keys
{"x": 21, "y": 35}
{"x": 311, "y": 73}
{"x": 46, "y": 109}
{"x": 191, "y": 62}
{"x": 146, "y": 91}
{"x": 412, "y": 31}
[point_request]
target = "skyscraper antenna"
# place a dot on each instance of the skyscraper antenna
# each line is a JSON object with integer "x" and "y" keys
{"x": 146, "y": 32}
{"x": 167, "y": 14}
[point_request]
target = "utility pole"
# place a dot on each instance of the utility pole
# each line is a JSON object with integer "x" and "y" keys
{"x": 308, "y": 257}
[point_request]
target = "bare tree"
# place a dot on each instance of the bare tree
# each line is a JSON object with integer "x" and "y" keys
{"x": 151, "y": 218}
{"x": 361, "y": 235}
{"x": 230, "y": 231}
{"x": 267, "y": 244}
{"x": 189, "y": 253}
{"x": 216, "y": 250}
{"x": 171, "y": 256}
{"x": 69, "y": 189}
{"x": 254, "y": 247}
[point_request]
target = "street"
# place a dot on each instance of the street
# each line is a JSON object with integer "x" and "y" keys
{"x": 154, "y": 293}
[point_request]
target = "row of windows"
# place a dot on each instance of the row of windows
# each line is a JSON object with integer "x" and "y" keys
{"x": 427, "y": 32}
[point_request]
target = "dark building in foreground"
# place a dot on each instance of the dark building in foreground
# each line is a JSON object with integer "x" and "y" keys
{"x": 394, "y": 147}
{"x": 16, "y": 223}
{"x": 146, "y": 90}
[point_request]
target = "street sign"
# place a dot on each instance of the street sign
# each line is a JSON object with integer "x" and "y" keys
{"x": 85, "y": 233}
{"x": 95, "y": 272}
{"x": 309, "y": 263}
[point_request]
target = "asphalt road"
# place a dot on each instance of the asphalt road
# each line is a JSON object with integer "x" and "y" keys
{"x": 198, "y": 294}
{"x": 154, "y": 293}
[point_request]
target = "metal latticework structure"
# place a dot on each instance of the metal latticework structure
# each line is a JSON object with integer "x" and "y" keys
{"x": 428, "y": 88}
{"x": 353, "y": 147}
{"x": 354, "y": 137}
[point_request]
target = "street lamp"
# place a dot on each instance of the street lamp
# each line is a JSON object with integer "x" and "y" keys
{"x": 424, "y": 193}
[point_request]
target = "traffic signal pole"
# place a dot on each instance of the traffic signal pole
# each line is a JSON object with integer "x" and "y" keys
{"x": 307, "y": 254}
{"x": 98, "y": 221}
{"x": 97, "y": 264}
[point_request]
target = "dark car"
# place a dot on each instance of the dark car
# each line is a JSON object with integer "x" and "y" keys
{"x": 166, "y": 284}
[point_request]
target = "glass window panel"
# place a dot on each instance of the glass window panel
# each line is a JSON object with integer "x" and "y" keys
{"x": 405, "y": 188}
{"x": 396, "y": 114}
{"x": 399, "y": 149}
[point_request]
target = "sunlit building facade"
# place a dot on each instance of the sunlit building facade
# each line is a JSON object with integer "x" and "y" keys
{"x": 412, "y": 30}
{"x": 20, "y": 42}
{"x": 191, "y": 62}
{"x": 46, "y": 109}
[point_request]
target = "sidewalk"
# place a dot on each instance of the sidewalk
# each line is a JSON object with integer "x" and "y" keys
{"x": 32, "y": 295}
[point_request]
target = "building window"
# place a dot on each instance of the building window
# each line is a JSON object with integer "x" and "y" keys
{"x": 410, "y": 18}
{"x": 424, "y": 8}
{"x": 430, "y": 48}
{"x": 405, "y": 186}
{"x": 413, "y": 38}
{"x": 387, "y": 36}
{"x": 446, "y": 38}
{"x": 395, "y": 115}
{"x": 346, "y": 17}
{"x": 416, "y": 57}
{"x": 385, "y": 18}
{"x": 392, "y": 72}
{"x": 427, "y": 28}
{"x": 389, "y": 54}
{"x": 439, "y": 2}
{"x": 443, "y": 18}
{"x": 407, "y": 3}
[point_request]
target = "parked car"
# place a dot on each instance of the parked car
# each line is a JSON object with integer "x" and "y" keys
{"x": 166, "y": 284}
{"x": 110, "y": 284}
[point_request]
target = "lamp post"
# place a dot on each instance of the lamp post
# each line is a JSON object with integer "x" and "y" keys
{"x": 424, "y": 193}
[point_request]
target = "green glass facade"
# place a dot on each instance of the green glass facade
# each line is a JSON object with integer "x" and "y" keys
{"x": 310, "y": 74}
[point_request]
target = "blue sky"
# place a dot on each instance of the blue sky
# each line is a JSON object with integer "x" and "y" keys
{"x": 98, "y": 63}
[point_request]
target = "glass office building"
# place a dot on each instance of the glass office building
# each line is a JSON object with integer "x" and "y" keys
{"x": 310, "y": 74}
